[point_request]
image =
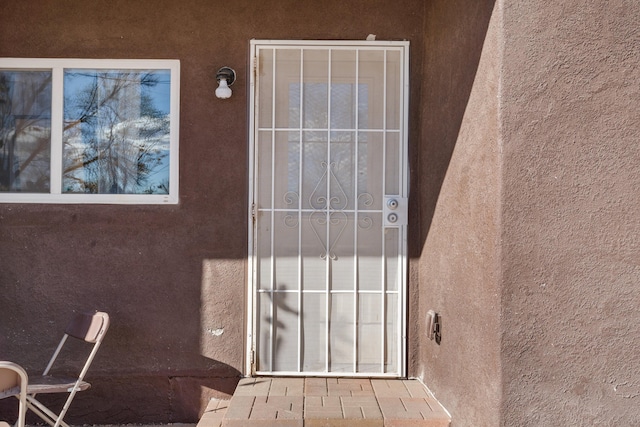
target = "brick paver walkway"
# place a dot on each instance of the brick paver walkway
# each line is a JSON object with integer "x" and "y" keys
{"x": 327, "y": 402}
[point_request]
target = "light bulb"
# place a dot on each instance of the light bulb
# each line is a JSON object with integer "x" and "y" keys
{"x": 223, "y": 91}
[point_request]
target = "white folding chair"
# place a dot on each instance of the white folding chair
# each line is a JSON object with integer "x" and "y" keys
{"x": 13, "y": 382}
{"x": 88, "y": 327}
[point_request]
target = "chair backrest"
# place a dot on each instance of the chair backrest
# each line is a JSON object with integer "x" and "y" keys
{"x": 89, "y": 327}
{"x": 12, "y": 377}
{"x": 13, "y": 382}
{"x": 9, "y": 378}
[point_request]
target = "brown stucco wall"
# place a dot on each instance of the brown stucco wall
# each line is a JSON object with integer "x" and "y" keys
{"x": 524, "y": 221}
{"x": 571, "y": 213}
{"x": 529, "y": 214}
{"x": 460, "y": 180}
{"x": 172, "y": 277}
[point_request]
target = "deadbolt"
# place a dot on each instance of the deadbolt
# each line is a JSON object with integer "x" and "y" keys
{"x": 394, "y": 211}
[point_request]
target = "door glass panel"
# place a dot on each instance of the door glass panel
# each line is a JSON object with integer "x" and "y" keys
{"x": 369, "y": 252}
{"x": 265, "y": 93}
{"x": 392, "y": 339}
{"x": 286, "y": 182}
{"x": 343, "y": 89}
{"x": 370, "y": 170}
{"x": 363, "y": 105}
{"x": 342, "y": 251}
{"x": 314, "y": 170}
{"x": 264, "y": 169}
{"x": 263, "y": 337}
{"x": 341, "y": 333}
{"x": 392, "y": 163}
{"x": 314, "y": 309}
{"x": 287, "y": 76}
{"x": 392, "y": 257}
{"x": 393, "y": 90}
{"x": 314, "y": 266}
{"x": 342, "y": 170}
{"x": 371, "y": 73}
{"x": 315, "y": 97}
{"x": 285, "y": 356}
{"x": 263, "y": 233}
{"x": 286, "y": 250}
{"x": 370, "y": 332}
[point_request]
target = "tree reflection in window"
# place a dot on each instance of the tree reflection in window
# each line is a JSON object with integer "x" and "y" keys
{"x": 25, "y": 131}
{"x": 116, "y": 131}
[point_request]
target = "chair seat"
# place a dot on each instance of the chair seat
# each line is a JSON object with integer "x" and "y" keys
{"x": 50, "y": 384}
{"x": 13, "y": 391}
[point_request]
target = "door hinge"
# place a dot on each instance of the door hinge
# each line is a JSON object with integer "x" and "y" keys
{"x": 253, "y": 360}
{"x": 254, "y": 66}
{"x": 253, "y": 211}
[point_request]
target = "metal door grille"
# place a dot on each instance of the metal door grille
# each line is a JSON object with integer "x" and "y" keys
{"x": 328, "y": 217}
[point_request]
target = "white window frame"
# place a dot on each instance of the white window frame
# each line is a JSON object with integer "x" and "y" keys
{"x": 57, "y": 67}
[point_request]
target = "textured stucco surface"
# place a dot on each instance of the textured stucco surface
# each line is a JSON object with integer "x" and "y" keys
{"x": 529, "y": 214}
{"x": 524, "y": 212}
{"x": 173, "y": 278}
{"x": 571, "y": 223}
{"x": 459, "y": 258}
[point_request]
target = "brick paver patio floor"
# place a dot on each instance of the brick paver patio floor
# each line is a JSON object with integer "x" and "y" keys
{"x": 327, "y": 402}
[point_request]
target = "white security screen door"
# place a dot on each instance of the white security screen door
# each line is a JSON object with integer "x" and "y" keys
{"x": 328, "y": 208}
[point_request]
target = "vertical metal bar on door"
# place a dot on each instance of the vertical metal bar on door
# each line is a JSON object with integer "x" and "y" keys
{"x": 356, "y": 213}
{"x": 273, "y": 314}
{"x": 300, "y": 165}
{"x": 384, "y": 191}
{"x": 328, "y": 216}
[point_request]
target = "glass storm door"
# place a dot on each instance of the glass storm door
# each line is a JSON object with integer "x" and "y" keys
{"x": 328, "y": 208}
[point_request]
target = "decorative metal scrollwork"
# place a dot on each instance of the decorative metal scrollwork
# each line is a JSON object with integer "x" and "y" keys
{"x": 336, "y": 202}
{"x": 318, "y": 222}
{"x": 291, "y": 198}
{"x": 366, "y": 199}
{"x": 365, "y": 222}
{"x": 290, "y": 221}
{"x": 328, "y": 210}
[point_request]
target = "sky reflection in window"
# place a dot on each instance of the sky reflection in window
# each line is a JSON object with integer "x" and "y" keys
{"x": 116, "y": 131}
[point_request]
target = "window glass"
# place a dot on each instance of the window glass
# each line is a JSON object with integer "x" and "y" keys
{"x": 25, "y": 131}
{"x": 116, "y": 131}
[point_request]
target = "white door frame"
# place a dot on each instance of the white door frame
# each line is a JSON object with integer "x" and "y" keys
{"x": 251, "y": 318}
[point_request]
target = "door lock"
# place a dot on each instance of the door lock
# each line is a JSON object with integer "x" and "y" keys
{"x": 394, "y": 211}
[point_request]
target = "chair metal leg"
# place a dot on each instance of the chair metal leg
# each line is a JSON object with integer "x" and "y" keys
{"x": 45, "y": 413}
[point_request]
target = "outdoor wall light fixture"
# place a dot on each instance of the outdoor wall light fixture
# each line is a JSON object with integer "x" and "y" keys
{"x": 225, "y": 78}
